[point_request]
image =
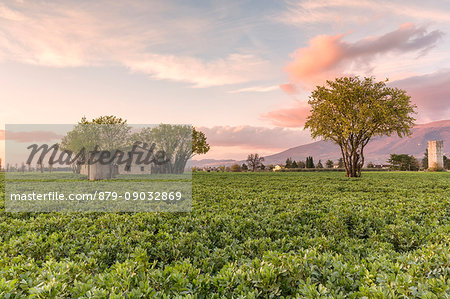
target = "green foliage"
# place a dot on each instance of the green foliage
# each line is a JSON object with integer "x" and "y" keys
{"x": 254, "y": 161}
{"x": 179, "y": 142}
{"x": 235, "y": 168}
{"x": 425, "y": 160}
{"x": 319, "y": 164}
{"x": 199, "y": 144}
{"x": 174, "y": 140}
{"x": 329, "y": 164}
{"x": 105, "y": 132}
{"x": 103, "y": 120}
{"x": 403, "y": 162}
{"x": 250, "y": 235}
{"x": 309, "y": 162}
{"x": 350, "y": 111}
{"x": 446, "y": 163}
{"x": 288, "y": 163}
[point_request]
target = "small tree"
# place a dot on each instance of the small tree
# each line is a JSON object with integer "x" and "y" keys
{"x": 244, "y": 167}
{"x": 309, "y": 162}
{"x": 319, "y": 165}
{"x": 341, "y": 163}
{"x": 301, "y": 164}
{"x": 350, "y": 111}
{"x": 107, "y": 133}
{"x": 199, "y": 144}
{"x": 40, "y": 165}
{"x": 294, "y": 164}
{"x": 288, "y": 163}
{"x": 370, "y": 165}
{"x": 235, "y": 168}
{"x": 403, "y": 162}
{"x": 425, "y": 160}
{"x": 254, "y": 161}
{"x": 329, "y": 164}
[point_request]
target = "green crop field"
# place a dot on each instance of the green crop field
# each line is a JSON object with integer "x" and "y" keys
{"x": 306, "y": 235}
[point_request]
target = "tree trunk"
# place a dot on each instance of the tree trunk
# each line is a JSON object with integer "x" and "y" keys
{"x": 352, "y": 161}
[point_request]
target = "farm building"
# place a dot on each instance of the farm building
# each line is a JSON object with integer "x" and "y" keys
{"x": 99, "y": 170}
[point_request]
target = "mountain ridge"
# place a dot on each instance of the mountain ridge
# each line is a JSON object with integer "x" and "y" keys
{"x": 376, "y": 151}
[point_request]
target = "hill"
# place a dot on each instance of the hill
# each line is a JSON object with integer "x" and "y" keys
{"x": 378, "y": 150}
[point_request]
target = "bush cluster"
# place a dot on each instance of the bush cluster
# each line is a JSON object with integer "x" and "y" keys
{"x": 265, "y": 235}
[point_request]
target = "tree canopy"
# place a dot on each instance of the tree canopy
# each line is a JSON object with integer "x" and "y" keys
{"x": 104, "y": 132}
{"x": 403, "y": 162}
{"x": 254, "y": 161}
{"x": 309, "y": 162}
{"x": 329, "y": 164}
{"x": 178, "y": 142}
{"x": 199, "y": 144}
{"x": 349, "y": 111}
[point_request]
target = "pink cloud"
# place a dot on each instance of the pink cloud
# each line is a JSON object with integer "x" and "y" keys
{"x": 429, "y": 92}
{"x": 303, "y": 12}
{"x": 54, "y": 34}
{"x": 249, "y": 137}
{"x": 327, "y": 57}
{"x": 289, "y": 88}
{"x": 321, "y": 56}
{"x": 35, "y": 136}
{"x": 289, "y": 117}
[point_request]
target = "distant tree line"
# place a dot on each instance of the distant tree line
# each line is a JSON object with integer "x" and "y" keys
{"x": 309, "y": 163}
{"x": 405, "y": 162}
{"x": 254, "y": 162}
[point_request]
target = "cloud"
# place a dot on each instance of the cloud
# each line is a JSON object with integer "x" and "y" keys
{"x": 320, "y": 58}
{"x": 74, "y": 34}
{"x": 292, "y": 117}
{"x": 255, "y": 89}
{"x": 236, "y": 68}
{"x": 327, "y": 57}
{"x": 289, "y": 88}
{"x": 8, "y": 14}
{"x": 34, "y": 136}
{"x": 430, "y": 93}
{"x": 358, "y": 11}
{"x": 250, "y": 137}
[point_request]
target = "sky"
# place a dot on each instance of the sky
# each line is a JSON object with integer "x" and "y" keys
{"x": 240, "y": 71}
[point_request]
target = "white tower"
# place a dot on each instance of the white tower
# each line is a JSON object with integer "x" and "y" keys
{"x": 435, "y": 155}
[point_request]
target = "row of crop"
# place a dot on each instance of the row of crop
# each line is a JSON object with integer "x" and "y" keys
{"x": 308, "y": 273}
{"x": 394, "y": 221}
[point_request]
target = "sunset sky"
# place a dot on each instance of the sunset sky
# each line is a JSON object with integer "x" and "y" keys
{"x": 241, "y": 71}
